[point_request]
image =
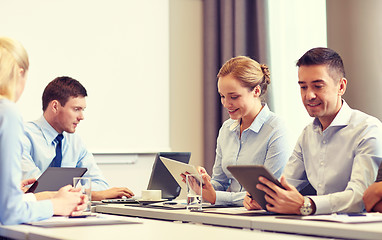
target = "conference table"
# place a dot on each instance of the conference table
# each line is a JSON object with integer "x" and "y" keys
{"x": 147, "y": 222}
{"x": 143, "y": 229}
{"x": 262, "y": 222}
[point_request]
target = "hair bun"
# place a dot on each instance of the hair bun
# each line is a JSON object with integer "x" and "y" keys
{"x": 267, "y": 74}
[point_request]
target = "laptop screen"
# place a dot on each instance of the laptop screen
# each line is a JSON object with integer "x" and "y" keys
{"x": 161, "y": 178}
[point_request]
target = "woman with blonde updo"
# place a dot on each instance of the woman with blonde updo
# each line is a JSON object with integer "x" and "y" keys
{"x": 14, "y": 209}
{"x": 253, "y": 135}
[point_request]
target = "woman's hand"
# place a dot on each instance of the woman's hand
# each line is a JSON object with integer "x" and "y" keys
{"x": 208, "y": 193}
{"x": 26, "y": 182}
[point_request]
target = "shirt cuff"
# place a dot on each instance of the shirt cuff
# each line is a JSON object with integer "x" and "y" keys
{"x": 29, "y": 197}
{"x": 322, "y": 204}
{"x": 45, "y": 209}
{"x": 229, "y": 198}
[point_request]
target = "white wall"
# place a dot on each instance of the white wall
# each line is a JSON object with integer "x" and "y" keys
{"x": 147, "y": 56}
{"x": 186, "y": 77}
{"x": 134, "y": 173}
{"x": 119, "y": 50}
{"x": 186, "y": 98}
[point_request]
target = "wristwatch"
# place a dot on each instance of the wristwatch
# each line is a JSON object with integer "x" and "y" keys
{"x": 306, "y": 208}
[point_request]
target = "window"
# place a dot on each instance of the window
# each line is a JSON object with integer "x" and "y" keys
{"x": 295, "y": 26}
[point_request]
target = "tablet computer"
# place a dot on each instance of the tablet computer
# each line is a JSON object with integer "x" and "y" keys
{"x": 177, "y": 168}
{"x": 55, "y": 178}
{"x": 248, "y": 177}
{"x": 161, "y": 178}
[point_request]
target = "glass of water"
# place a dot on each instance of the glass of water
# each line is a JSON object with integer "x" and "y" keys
{"x": 85, "y": 183}
{"x": 194, "y": 192}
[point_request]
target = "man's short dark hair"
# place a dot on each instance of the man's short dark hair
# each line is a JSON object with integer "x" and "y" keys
{"x": 61, "y": 89}
{"x": 324, "y": 56}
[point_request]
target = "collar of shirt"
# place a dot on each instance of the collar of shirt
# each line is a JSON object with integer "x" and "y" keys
{"x": 256, "y": 125}
{"x": 342, "y": 118}
{"x": 47, "y": 130}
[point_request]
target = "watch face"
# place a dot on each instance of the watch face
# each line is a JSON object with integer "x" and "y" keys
{"x": 306, "y": 208}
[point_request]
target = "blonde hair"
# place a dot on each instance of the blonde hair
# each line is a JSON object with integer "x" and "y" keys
{"x": 249, "y": 72}
{"x": 13, "y": 57}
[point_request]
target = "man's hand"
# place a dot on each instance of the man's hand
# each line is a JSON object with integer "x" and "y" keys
{"x": 26, "y": 182}
{"x": 372, "y": 197}
{"x": 115, "y": 192}
{"x": 377, "y": 207}
{"x": 249, "y": 203}
{"x": 286, "y": 201}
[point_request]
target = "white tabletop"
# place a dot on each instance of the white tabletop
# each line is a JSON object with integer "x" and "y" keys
{"x": 268, "y": 223}
{"x": 149, "y": 229}
{"x": 176, "y": 215}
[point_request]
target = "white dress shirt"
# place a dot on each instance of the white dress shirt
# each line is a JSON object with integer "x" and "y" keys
{"x": 339, "y": 162}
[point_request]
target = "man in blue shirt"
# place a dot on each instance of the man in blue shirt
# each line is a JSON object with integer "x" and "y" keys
{"x": 338, "y": 154}
{"x": 63, "y": 103}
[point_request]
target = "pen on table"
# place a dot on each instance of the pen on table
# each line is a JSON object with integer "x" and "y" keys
{"x": 83, "y": 216}
{"x": 351, "y": 214}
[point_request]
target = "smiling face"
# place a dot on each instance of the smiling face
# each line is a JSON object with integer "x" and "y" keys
{"x": 320, "y": 93}
{"x": 238, "y": 100}
{"x": 66, "y": 118}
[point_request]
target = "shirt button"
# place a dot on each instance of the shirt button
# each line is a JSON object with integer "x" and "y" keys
{"x": 322, "y": 163}
{"x": 319, "y": 185}
{"x": 324, "y": 142}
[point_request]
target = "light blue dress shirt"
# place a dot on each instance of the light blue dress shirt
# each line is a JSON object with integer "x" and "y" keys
{"x": 13, "y": 210}
{"x": 40, "y": 149}
{"x": 265, "y": 142}
{"x": 339, "y": 162}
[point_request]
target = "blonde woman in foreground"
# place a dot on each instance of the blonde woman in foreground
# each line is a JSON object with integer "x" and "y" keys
{"x": 14, "y": 66}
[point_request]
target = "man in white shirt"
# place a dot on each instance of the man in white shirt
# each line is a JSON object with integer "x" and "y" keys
{"x": 338, "y": 154}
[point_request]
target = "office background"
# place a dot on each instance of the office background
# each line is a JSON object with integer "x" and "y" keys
{"x": 351, "y": 27}
{"x": 118, "y": 50}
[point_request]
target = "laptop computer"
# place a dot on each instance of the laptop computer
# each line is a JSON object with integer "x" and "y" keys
{"x": 161, "y": 178}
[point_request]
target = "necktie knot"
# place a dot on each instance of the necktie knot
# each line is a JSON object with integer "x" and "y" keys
{"x": 56, "y": 162}
{"x": 59, "y": 137}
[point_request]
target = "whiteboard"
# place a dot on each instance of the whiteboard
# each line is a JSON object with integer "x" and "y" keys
{"x": 118, "y": 49}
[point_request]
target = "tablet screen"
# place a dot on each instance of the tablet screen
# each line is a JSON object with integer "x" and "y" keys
{"x": 248, "y": 177}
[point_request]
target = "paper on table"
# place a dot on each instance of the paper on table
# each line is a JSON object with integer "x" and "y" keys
{"x": 59, "y": 221}
{"x": 236, "y": 211}
{"x": 347, "y": 218}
